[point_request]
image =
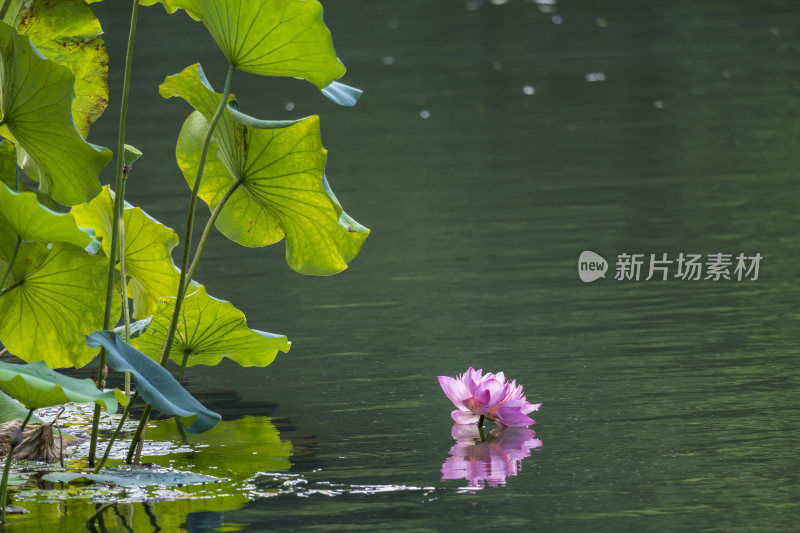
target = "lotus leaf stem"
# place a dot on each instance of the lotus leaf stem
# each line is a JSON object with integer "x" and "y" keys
{"x": 185, "y": 278}
{"x": 7, "y": 469}
{"x": 116, "y": 432}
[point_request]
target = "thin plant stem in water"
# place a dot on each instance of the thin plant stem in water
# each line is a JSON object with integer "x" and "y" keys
{"x": 185, "y": 278}
{"x": 119, "y": 201}
{"x": 7, "y": 469}
{"x": 126, "y": 310}
{"x": 116, "y": 432}
{"x": 97, "y": 514}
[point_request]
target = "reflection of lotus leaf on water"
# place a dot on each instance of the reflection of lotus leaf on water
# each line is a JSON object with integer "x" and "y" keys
{"x": 233, "y": 452}
{"x": 491, "y": 459}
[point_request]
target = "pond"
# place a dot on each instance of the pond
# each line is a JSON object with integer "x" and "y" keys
{"x": 495, "y": 141}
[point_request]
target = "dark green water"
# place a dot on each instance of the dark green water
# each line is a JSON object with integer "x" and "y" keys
{"x": 668, "y": 406}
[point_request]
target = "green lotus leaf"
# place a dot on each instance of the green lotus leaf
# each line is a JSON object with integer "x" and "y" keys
{"x": 8, "y": 163}
{"x": 46, "y": 316}
{"x": 35, "y": 385}
{"x": 67, "y": 32}
{"x": 148, "y": 250}
{"x": 154, "y": 382}
{"x": 208, "y": 330}
{"x": 33, "y": 222}
{"x": 29, "y": 257}
{"x": 11, "y": 409}
{"x": 268, "y": 37}
{"x": 282, "y": 191}
{"x": 35, "y": 104}
{"x": 138, "y": 477}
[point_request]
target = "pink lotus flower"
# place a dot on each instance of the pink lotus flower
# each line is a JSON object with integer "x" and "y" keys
{"x": 491, "y": 460}
{"x": 490, "y": 396}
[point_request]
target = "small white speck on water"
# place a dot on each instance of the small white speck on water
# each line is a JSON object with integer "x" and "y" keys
{"x": 557, "y": 19}
{"x": 529, "y": 90}
{"x": 289, "y": 106}
{"x": 424, "y": 113}
{"x": 595, "y": 76}
{"x": 388, "y": 60}
{"x": 473, "y": 5}
{"x": 659, "y": 104}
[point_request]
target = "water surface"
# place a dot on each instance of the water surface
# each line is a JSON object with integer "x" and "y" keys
{"x": 494, "y": 143}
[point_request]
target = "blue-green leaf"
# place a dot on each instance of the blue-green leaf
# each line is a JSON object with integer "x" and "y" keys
{"x": 342, "y": 94}
{"x": 154, "y": 383}
{"x": 35, "y": 385}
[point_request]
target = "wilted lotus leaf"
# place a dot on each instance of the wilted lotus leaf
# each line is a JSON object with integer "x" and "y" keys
{"x": 39, "y": 442}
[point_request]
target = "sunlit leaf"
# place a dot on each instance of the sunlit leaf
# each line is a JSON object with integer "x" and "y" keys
{"x": 29, "y": 257}
{"x": 154, "y": 383}
{"x": 36, "y": 111}
{"x": 148, "y": 250}
{"x": 32, "y": 222}
{"x": 11, "y": 409}
{"x": 48, "y": 315}
{"x": 283, "y": 190}
{"x": 208, "y": 330}
{"x": 8, "y": 163}
{"x": 269, "y": 37}
{"x": 35, "y": 385}
{"x": 67, "y": 32}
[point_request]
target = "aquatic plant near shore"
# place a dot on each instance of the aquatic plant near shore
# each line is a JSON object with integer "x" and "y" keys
{"x": 479, "y": 396}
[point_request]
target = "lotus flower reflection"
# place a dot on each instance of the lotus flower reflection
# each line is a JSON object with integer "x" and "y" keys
{"x": 488, "y": 460}
{"x": 477, "y": 396}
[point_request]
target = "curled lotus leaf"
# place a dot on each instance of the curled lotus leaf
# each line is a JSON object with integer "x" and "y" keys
{"x": 21, "y": 213}
{"x": 68, "y": 33}
{"x": 279, "y": 167}
{"x": 148, "y": 250}
{"x": 36, "y": 114}
{"x": 154, "y": 383}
